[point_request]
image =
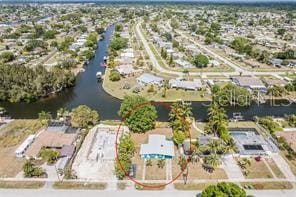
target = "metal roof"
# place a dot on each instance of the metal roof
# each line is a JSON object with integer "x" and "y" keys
{"x": 158, "y": 145}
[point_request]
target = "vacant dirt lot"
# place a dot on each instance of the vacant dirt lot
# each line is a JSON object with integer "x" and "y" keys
{"x": 11, "y": 137}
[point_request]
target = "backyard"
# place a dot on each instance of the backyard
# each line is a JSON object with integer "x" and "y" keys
{"x": 11, "y": 136}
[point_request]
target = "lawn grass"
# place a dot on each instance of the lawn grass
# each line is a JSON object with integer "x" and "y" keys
{"x": 21, "y": 184}
{"x": 258, "y": 170}
{"x": 267, "y": 185}
{"x": 154, "y": 172}
{"x": 196, "y": 171}
{"x": 278, "y": 173}
{"x": 150, "y": 186}
{"x": 291, "y": 163}
{"x": 79, "y": 185}
{"x": 111, "y": 122}
{"x": 191, "y": 186}
{"x": 115, "y": 89}
{"x": 121, "y": 186}
{"x": 11, "y": 136}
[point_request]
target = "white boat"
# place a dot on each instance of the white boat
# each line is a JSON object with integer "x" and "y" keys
{"x": 99, "y": 75}
{"x": 105, "y": 58}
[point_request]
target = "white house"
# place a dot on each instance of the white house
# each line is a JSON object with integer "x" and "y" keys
{"x": 187, "y": 85}
{"x": 147, "y": 78}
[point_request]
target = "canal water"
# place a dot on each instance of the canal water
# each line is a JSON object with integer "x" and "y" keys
{"x": 89, "y": 92}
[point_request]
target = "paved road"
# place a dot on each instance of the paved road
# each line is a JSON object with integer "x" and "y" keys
{"x": 237, "y": 69}
{"x": 116, "y": 193}
{"x": 225, "y": 60}
{"x": 152, "y": 57}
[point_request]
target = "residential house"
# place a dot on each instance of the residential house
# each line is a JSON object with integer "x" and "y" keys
{"x": 147, "y": 78}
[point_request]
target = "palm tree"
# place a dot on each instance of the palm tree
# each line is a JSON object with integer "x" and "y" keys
{"x": 212, "y": 161}
{"x": 184, "y": 167}
{"x": 213, "y": 147}
{"x": 62, "y": 112}
{"x": 217, "y": 119}
{"x": 165, "y": 87}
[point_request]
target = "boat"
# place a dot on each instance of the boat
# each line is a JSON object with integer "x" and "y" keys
{"x": 86, "y": 63}
{"x": 99, "y": 76}
{"x": 102, "y": 37}
{"x": 103, "y": 64}
{"x": 105, "y": 58}
{"x": 237, "y": 116}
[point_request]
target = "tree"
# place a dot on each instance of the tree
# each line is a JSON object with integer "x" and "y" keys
{"x": 281, "y": 31}
{"x": 180, "y": 120}
{"x": 161, "y": 163}
{"x": 276, "y": 91}
{"x": 179, "y": 137}
{"x": 126, "y": 151}
{"x": 7, "y": 56}
{"x": 217, "y": 122}
{"x": 232, "y": 94}
{"x": 212, "y": 152}
{"x": 212, "y": 161}
{"x": 118, "y": 27}
{"x": 200, "y": 61}
{"x": 82, "y": 116}
{"x": 114, "y": 75}
{"x": 30, "y": 170}
{"x": 118, "y": 43}
{"x": 241, "y": 45}
{"x": 183, "y": 164}
{"x": 22, "y": 83}
{"x": 100, "y": 30}
{"x": 49, "y": 155}
{"x": 268, "y": 123}
{"x": 44, "y": 117}
{"x": 138, "y": 113}
{"x": 223, "y": 190}
{"x": 62, "y": 112}
{"x": 50, "y": 34}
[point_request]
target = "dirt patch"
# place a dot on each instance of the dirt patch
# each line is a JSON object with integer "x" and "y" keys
{"x": 267, "y": 185}
{"x": 79, "y": 185}
{"x": 21, "y": 184}
{"x": 11, "y": 137}
{"x": 191, "y": 186}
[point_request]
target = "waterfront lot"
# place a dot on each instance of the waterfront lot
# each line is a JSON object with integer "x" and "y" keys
{"x": 116, "y": 89}
{"x": 11, "y": 137}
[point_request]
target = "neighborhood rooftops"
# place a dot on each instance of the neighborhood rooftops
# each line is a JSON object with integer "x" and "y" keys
{"x": 147, "y": 78}
{"x": 157, "y": 147}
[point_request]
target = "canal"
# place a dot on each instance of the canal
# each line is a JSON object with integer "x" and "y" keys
{"x": 89, "y": 92}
